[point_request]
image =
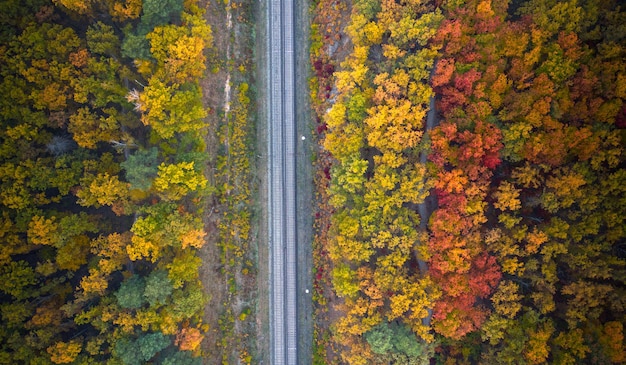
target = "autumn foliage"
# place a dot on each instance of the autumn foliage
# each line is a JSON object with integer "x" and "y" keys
{"x": 374, "y": 136}
{"x": 519, "y": 150}
{"x": 100, "y": 178}
{"x": 522, "y": 261}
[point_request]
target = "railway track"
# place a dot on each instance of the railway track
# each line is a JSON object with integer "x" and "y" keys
{"x": 282, "y": 183}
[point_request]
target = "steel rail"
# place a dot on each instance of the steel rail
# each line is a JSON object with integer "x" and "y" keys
{"x": 282, "y": 183}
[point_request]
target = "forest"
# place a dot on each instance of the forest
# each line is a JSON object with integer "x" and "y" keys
{"x": 469, "y": 182}
{"x": 498, "y": 235}
{"x": 102, "y": 183}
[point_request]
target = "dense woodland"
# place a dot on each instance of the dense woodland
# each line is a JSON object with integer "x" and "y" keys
{"x": 523, "y": 259}
{"x": 101, "y": 175}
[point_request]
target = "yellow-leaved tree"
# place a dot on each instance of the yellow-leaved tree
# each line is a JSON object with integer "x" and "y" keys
{"x": 64, "y": 352}
{"x": 174, "y": 181}
{"x": 103, "y": 189}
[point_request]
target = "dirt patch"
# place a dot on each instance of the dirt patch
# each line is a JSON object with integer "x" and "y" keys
{"x": 305, "y": 148}
{"x": 231, "y": 259}
{"x": 210, "y": 275}
{"x": 261, "y": 212}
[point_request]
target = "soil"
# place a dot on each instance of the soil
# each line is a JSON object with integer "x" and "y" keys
{"x": 233, "y": 46}
{"x": 305, "y": 148}
{"x": 263, "y": 299}
{"x": 214, "y": 282}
